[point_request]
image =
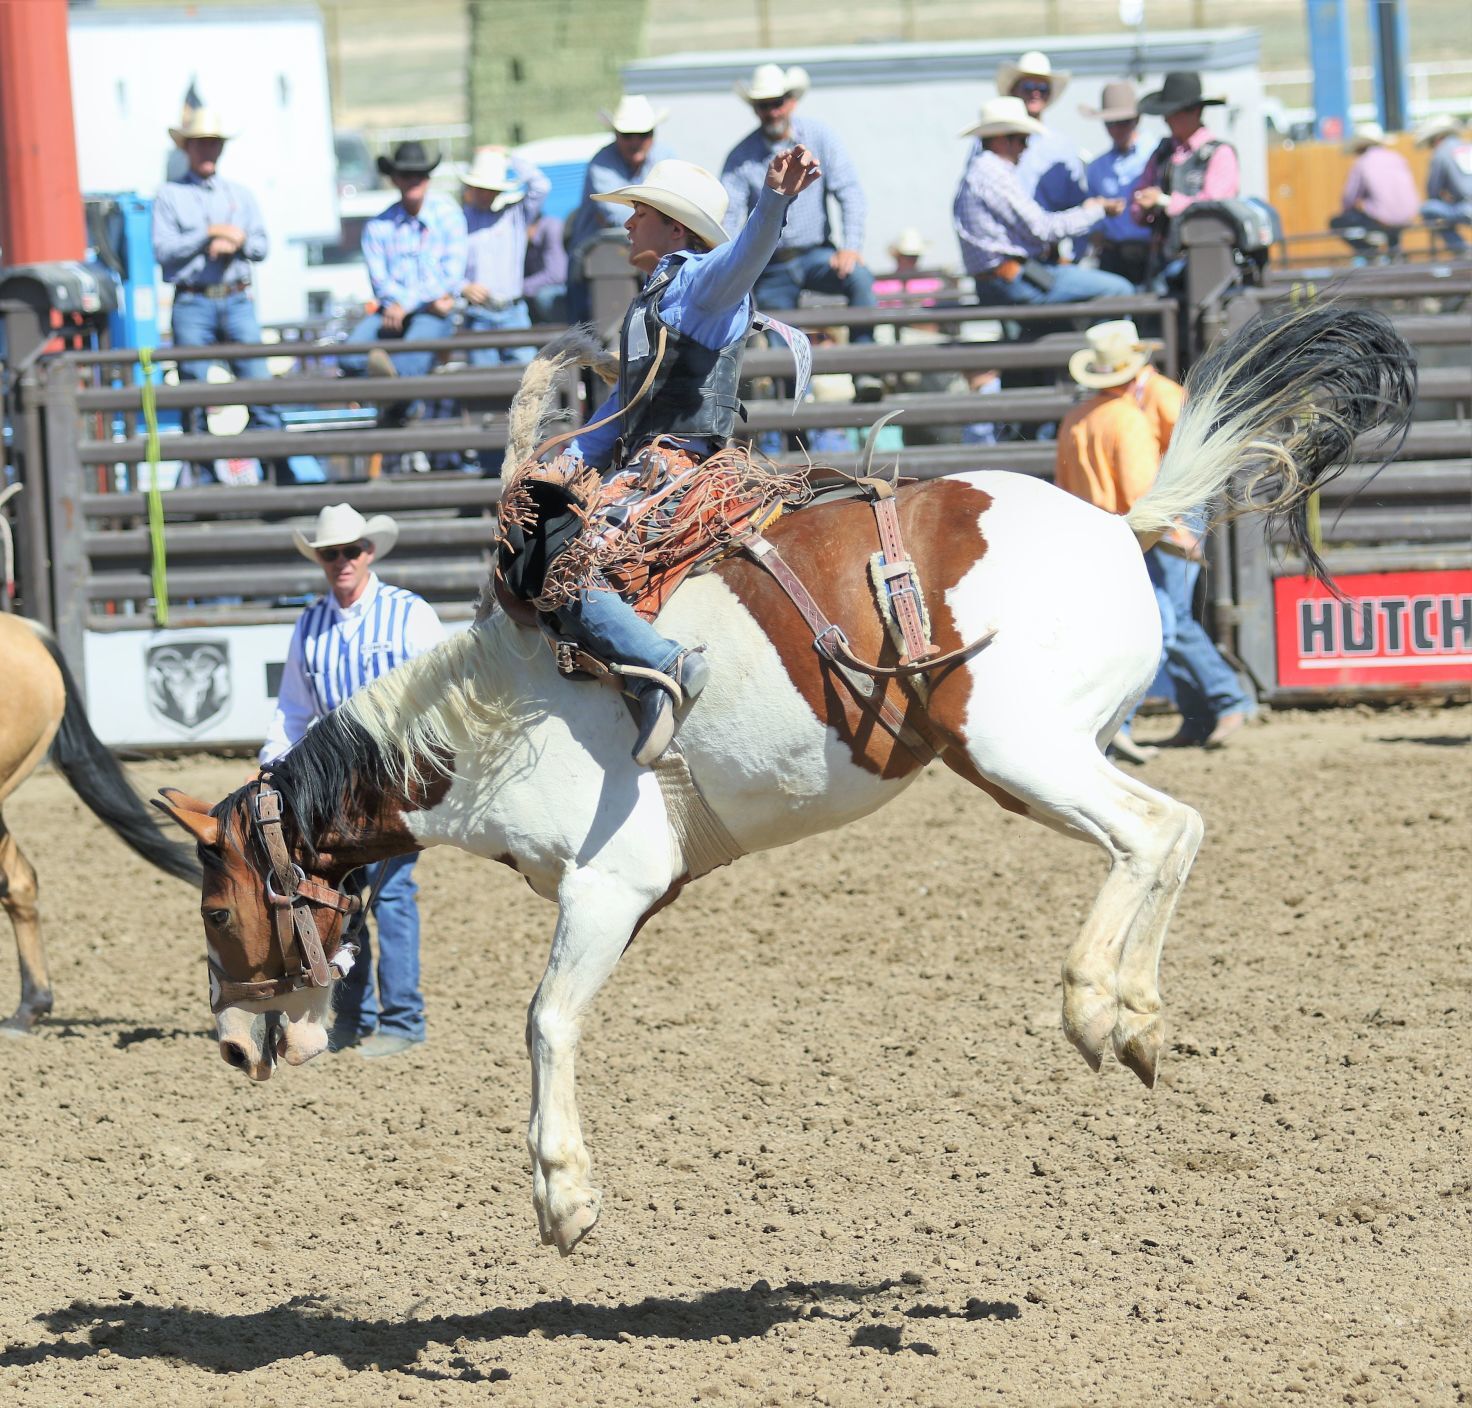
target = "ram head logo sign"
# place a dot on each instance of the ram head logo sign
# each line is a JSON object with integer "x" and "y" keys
{"x": 189, "y": 683}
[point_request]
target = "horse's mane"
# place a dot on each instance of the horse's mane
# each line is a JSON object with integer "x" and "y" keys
{"x": 413, "y": 725}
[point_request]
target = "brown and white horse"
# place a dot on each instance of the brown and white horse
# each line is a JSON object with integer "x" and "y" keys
{"x": 41, "y": 708}
{"x": 483, "y": 745}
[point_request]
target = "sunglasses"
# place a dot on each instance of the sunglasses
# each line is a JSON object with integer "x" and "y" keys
{"x": 1032, "y": 86}
{"x": 769, "y": 104}
{"x": 352, "y": 552}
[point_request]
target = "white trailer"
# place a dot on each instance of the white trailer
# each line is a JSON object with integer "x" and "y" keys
{"x": 899, "y": 107}
{"x": 265, "y": 71}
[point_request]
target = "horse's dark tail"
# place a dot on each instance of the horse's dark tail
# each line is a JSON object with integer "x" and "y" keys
{"x": 1276, "y": 411}
{"x": 98, "y": 779}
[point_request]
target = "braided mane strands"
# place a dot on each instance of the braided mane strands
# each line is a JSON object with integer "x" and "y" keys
{"x": 1277, "y": 411}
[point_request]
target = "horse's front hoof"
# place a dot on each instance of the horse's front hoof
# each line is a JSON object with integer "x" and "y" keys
{"x": 1088, "y": 1020}
{"x": 569, "y": 1231}
{"x": 1138, "y": 1040}
{"x": 22, "y": 1022}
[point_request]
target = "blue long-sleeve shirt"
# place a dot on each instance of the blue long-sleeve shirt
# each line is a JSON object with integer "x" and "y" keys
{"x": 606, "y": 172}
{"x": 1113, "y": 176}
{"x": 183, "y": 212}
{"x": 496, "y": 245}
{"x": 745, "y": 173}
{"x": 414, "y": 259}
{"x": 1049, "y": 170}
{"x": 709, "y": 299}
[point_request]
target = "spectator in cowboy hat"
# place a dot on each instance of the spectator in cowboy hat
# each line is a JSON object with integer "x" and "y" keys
{"x": 1006, "y": 236}
{"x": 207, "y": 233}
{"x": 1449, "y": 179}
{"x": 503, "y": 199}
{"x": 1191, "y": 164}
{"x": 908, "y": 249}
{"x": 1122, "y": 241}
{"x": 415, "y": 252}
{"x": 808, "y": 255}
{"x": 1049, "y": 169}
{"x": 1380, "y": 197}
{"x": 1109, "y": 452}
{"x": 626, "y": 160}
{"x": 359, "y": 629}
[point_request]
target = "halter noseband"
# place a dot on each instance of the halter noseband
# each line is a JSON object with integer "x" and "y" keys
{"x": 290, "y": 895}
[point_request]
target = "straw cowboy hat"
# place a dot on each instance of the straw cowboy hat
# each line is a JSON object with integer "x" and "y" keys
{"x": 1435, "y": 128}
{"x": 1115, "y": 355}
{"x": 200, "y": 122}
{"x": 771, "y": 81}
{"x": 909, "y": 241}
{"x": 339, "y": 524}
{"x": 635, "y": 114}
{"x": 491, "y": 171}
{"x": 1117, "y": 103}
{"x": 1180, "y": 90}
{"x": 409, "y": 159}
{"x": 683, "y": 191}
{"x": 999, "y": 116}
{"x": 1033, "y": 64}
{"x": 1365, "y": 134}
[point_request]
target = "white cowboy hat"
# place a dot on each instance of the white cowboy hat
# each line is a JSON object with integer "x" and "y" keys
{"x": 200, "y": 122}
{"x": 909, "y": 241}
{"x": 339, "y": 524}
{"x": 769, "y": 81}
{"x": 491, "y": 171}
{"x": 1033, "y": 64}
{"x": 634, "y": 114}
{"x": 1115, "y": 355}
{"x": 683, "y": 191}
{"x": 1435, "y": 128}
{"x": 999, "y": 116}
{"x": 1365, "y": 134}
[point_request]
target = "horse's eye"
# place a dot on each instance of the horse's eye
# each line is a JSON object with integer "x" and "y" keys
{"x": 217, "y": 918}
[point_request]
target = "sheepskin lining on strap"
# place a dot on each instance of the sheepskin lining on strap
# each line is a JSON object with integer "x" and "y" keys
{"x": 645, "y": 530}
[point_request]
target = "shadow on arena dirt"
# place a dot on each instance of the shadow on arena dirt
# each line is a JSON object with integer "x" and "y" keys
{"x": 306, "y": 1325}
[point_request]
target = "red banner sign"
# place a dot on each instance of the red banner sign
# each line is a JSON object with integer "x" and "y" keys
{"x": 1393, "y": 628}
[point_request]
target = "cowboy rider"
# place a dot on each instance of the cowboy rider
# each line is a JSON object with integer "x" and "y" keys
{"x": 684, "y": 334}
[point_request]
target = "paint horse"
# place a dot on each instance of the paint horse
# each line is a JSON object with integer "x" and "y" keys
{"x": 40, "y": 708}
{"x": 484, "y": 745}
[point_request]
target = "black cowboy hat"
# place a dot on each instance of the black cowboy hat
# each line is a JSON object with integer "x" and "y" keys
{"x": 409, "y": 159}
{"x": 1180, "y": 90}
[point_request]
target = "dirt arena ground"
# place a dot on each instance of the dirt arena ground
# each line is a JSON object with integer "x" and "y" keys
{"x": 847, "y": 1155}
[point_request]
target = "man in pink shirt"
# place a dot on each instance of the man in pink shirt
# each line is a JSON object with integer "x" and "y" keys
{"x": 1190, "y": 165}
{"x": 1380, "y": 197}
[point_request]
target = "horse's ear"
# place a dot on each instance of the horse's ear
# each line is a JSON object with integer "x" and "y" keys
{"x": 204, "y": 828}
{"x": 184, "y": 801}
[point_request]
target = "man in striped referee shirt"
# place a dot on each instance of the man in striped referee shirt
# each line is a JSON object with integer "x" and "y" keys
{"x": 358, "y": 630}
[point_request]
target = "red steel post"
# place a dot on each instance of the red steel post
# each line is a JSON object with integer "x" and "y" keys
{"x": 40, "y": 198}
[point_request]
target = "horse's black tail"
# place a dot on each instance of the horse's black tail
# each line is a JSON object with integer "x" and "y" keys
{"x": 100, "y": 782}
{"x": 1279, "y": 409}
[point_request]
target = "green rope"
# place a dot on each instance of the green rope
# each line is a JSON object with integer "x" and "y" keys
{"x": 160, "y": 569}
{"x": 1315, "y": 527}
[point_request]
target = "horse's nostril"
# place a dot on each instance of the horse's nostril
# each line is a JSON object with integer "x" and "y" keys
{"x": 234, "y": 1054}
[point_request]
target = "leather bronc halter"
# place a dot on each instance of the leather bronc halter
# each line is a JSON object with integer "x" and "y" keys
{"x": 290, "y": 895}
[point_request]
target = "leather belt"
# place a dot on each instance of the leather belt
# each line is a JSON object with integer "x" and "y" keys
{"x": 783, "y": 256}
{"x": 214, "y": 290}
{"x": 1007, "y": 270}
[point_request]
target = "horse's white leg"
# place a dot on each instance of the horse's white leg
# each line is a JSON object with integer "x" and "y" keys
{"x": 596, "y": 917}
{"x": 1110, "y": 995}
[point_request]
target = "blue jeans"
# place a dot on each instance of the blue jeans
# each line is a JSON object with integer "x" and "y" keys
{"x": 1206, "y": 686}
{"x": 199, "y": 321}
{"x": 610, "y": 627}
{"x": 1071, "y": 284}
{"x": 418, "y": 327}
{"x": 397, "y": 1007}
{"x": 491, "y": 320}
{"x": 780, "y": 284}
{"x": 1449, "y": 214}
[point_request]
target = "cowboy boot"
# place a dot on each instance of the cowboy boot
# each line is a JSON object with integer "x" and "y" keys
{"x": 655, "y": 707}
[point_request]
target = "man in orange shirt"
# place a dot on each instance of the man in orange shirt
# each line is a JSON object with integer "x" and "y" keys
{"x": 1109, "y": 451}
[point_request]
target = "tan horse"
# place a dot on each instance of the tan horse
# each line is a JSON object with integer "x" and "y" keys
{"x": 40, "y": 708}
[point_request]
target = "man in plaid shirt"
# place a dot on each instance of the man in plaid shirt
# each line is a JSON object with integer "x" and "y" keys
{"x": 808, "y": 256}
{"x": 1006, "y": 236}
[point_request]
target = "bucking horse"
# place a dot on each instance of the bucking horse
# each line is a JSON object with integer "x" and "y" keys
{"x": 1038, "y": 602}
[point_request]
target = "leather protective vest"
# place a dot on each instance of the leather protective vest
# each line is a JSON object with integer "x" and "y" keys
{"x": 1187, "y": 179}
{"x": 694, "y": 392}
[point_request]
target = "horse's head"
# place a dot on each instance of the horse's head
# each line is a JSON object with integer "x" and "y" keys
{"x": 274, "y": 927}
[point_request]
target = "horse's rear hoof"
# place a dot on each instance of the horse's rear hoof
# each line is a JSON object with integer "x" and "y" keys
{"x": 22, "y": 1022}
{"x": 572, "y": 1229}
{"x": 1140, "y": 1049}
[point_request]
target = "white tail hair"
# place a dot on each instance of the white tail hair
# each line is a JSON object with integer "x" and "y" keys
{"x": 1275, "y": 412}
{"x": 532, "y": 411}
